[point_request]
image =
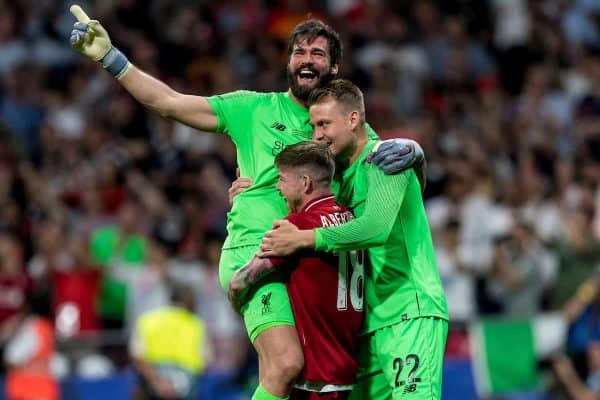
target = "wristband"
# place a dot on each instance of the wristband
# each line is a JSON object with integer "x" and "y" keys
{"x": 115, "y": 62}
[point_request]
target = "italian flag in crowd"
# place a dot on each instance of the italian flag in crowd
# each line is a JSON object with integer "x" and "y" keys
{"x": 505, "y": 352}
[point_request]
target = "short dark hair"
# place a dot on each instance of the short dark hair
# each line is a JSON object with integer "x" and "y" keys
{"x": 182, "y": 294}
{"x": 344, "y": 92}
{"x": 312, "y": 157}
{"x": 312, "y": 29}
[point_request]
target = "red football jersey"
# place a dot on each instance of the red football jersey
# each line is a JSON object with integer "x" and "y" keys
{"x": 79, "y": 288}
{"x": 326, "y": 293}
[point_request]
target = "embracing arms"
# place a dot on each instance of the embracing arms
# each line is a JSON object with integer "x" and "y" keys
{"x": 372, "y": 228}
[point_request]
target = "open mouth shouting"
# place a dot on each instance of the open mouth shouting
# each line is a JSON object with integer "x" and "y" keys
{"x": 307, "y": 76}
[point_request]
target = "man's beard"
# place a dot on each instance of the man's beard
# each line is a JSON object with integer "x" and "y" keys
{"x": 303, "y": 92}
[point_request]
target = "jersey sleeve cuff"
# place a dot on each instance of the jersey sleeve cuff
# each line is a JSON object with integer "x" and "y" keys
{"x": 213, "y": 101}
{"x": 320, "y": 243}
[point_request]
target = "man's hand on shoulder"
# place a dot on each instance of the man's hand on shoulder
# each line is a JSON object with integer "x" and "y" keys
{"x": 396, "y": 155}
{"x": 285, "y": 239}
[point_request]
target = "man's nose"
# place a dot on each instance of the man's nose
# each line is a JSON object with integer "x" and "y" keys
{"x": 307, "y": 60}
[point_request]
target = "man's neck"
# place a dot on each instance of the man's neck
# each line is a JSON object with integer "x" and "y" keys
{"x": 314, "y": 195}
{"x": 295, "y": 99}
{"x": 361, "y": 142}
{"x": 345, "y": 162}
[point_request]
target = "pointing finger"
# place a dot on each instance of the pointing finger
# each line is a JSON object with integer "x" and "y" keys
{"x": 79, "y": 14}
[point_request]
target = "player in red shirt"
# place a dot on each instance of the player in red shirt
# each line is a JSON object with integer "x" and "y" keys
{"x": 325, "y": 289}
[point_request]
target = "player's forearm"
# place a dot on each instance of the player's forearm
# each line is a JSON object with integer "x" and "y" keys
{"x": 257, "y": 269}
{"x": 162, "y": 99}
{"x": 355, "y": 237}
{"x": 373, "y": 227}
{"x": 149, "y": 91}
{"x": 250, "y": 273}
{"x": 244, "y": 278}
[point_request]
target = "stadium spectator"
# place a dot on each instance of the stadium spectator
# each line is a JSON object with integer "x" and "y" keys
{"x": 120, "y": 244}
{"x": 14, "y": 287}
{"x": 224, "y": 326}
{"x": 170, "y": 348}
{"x": 75, "y": 293}
{"x": 521, "y": 270}
{"x": 146, "y": 286}
{"x": 28, "y": 356}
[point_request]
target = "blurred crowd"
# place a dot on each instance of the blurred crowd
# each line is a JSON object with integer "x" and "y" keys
{"x": 104, "y": 205}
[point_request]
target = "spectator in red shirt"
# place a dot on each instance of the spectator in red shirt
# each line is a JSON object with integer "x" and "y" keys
{"x": 14, "y": 287}
{"x": 75, "y": 293}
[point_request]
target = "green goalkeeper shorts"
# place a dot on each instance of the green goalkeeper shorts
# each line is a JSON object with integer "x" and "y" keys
{"x": 402, "y": 361}
{"x": 268, "y": 303}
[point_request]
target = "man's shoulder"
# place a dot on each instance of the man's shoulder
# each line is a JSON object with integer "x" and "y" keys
{"x": 248, "y": 95}
{"x": 330, "y": 207}
{"x": 363, "y": 161}
{"x": 304, "y": 219}
{"x": 327, "y": 213}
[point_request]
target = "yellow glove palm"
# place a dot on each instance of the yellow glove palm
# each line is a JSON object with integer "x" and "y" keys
{"x": 88, "y": 36}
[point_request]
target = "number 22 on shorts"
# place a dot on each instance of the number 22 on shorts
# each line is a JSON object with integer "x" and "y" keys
{"x": 410, "y": 384}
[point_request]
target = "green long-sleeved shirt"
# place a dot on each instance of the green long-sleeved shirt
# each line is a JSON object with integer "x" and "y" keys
{"x": 261, "y": 125}
{"x": 401, "y": 276}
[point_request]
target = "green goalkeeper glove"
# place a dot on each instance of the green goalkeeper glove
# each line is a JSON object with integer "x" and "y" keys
{"x": 90, "y": 38}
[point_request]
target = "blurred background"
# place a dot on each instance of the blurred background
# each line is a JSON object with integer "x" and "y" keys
{"x": 105, "y": 206}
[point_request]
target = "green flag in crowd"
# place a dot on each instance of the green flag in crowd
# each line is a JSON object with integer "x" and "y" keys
{"x": 506, "y": 351}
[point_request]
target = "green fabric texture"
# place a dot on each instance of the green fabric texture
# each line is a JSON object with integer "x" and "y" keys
{"x": 267, "y": 307}
{"x": 401, "y": 277}
{"x": 400, "y": 361}
{"x": 261, "y": 394}
{"x": 106, "y": 246}
{"x": 261, "y": 125}
{"x": 505, "y": 357}
{"x": 279, "y": 310}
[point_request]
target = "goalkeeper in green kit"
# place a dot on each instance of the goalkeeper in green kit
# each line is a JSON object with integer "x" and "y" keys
{"x": 260, "y": 125}
{"x": 406, "y": 319}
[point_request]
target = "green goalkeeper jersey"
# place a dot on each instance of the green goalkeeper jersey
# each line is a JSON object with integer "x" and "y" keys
{"x": 261, "y": 125}
{"x": 401, "y": 277}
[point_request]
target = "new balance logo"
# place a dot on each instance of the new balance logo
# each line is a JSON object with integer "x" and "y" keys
{"x": 409, "y": 388}
{"x": 278, "y": 126}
